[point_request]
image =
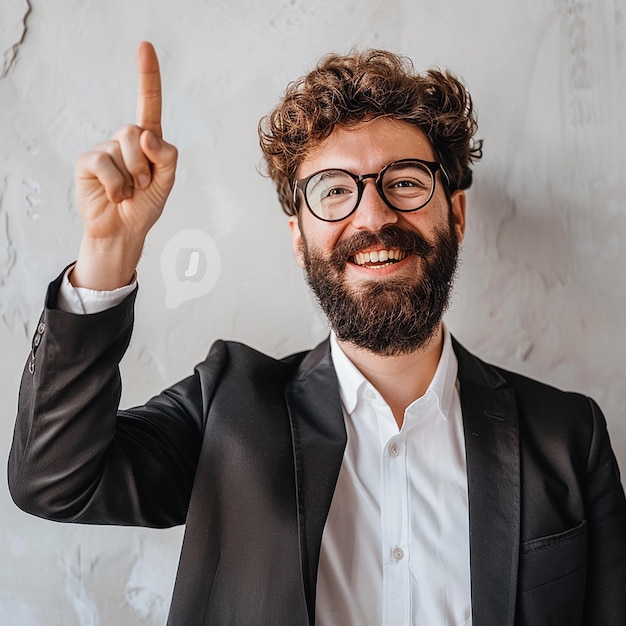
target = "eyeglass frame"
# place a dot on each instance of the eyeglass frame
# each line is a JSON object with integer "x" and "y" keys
{"x": 432, "y": 166}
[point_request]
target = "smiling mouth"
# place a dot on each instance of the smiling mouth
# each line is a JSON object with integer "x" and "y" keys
{"x": 378, "y": 258}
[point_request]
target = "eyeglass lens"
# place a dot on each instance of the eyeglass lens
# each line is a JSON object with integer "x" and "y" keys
{"x": 333, "y": 194}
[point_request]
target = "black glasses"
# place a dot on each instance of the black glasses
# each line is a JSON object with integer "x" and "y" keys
{"x": 406, "y": 185}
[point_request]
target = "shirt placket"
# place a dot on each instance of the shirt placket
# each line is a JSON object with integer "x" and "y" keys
{"x": 395, "y": 529}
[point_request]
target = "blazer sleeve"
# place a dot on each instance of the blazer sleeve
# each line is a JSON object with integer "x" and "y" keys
{"x": 605, "y": 601}
{"x": 75, "y": 457}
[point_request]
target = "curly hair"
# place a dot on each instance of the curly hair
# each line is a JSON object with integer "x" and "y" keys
{"x": 362, "y": 86}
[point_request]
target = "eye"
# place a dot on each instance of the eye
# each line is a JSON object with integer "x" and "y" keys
{"x": 413, "y": 179}
{"x": 408, "y": 173}
{"x": 407, "y": 185}
{"x": 337, "y": 191}
{"x": 404, "y": 183}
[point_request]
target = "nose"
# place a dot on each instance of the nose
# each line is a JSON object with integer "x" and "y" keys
{"x": 372, "y": 213}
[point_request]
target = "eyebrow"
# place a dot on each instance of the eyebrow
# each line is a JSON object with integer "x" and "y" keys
{"x": 407, "y": 166}
{"x": 324, "y": 174}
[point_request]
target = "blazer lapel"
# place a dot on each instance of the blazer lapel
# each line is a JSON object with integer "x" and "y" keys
{"x": 493, "y": 474}
{"x": 319, "y": 437}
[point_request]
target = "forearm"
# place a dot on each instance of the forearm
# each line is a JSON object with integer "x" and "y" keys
{"x": 67, "y": 408}
{"x": 76, "y": 457}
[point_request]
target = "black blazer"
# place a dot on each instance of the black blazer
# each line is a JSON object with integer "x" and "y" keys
{"x": 247, "y": 450}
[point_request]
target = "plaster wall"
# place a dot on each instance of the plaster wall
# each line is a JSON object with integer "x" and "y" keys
{"x": 541, "y": 289}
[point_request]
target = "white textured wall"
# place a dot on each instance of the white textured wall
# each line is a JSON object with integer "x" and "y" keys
{"x": 542, "y": 287}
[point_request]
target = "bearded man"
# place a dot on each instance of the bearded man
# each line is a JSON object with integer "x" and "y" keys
{"x": 387, "y": 476}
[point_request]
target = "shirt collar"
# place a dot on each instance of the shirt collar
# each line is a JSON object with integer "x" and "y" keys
{"x": 352, "y": 381}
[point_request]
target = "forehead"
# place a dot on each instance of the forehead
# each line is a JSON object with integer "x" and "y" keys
{"x": 367, "y": 147}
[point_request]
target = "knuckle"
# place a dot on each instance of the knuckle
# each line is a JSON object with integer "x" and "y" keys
{"x": 130, "y": 132}
{"x": 100, "y": 158}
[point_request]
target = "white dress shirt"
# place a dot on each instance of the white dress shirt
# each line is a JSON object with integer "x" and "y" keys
{"x": 395, "y": 548}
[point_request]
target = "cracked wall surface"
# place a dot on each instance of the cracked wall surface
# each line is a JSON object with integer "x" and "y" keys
{"x": 541, "y": 288}
{"x": 13, "y": 30}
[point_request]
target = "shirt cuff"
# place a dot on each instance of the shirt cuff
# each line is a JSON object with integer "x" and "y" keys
{"x": 83, "y": 301}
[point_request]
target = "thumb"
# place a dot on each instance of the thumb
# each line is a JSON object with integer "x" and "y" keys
{"x": 161, "y": 154}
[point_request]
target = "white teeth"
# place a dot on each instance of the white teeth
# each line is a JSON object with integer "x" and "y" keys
{"x": 378, "y": 256}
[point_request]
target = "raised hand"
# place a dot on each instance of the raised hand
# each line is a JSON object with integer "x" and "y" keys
{"x": 122, "y": 186}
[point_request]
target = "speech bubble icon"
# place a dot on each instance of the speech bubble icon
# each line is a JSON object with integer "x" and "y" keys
{"x": 190, "y": 266}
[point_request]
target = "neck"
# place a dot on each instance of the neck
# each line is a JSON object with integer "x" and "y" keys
{"x": 399, "y": 379}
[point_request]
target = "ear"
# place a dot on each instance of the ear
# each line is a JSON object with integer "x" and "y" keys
{"x": 296, "y": 240}
{"x": 458, "y": 201}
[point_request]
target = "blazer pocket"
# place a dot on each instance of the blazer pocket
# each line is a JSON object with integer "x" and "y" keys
{"x": 553, "y": 557}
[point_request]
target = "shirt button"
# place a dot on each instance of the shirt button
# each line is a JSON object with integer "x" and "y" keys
{"x": 41, "y": 328}
{"x": 370, "y": 394}
{"x": 398, "y": 553}
{"x": 394, "y": 449}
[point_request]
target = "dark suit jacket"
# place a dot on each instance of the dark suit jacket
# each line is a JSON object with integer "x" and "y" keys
{"x": 246, "y": 452}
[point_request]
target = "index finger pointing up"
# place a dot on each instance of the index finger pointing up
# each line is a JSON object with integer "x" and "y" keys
{"x": 149, "y": 96}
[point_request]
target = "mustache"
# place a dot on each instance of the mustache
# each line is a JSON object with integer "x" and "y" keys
{"x": 391, "y": 236}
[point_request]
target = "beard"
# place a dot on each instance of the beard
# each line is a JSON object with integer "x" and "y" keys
{"x": 388, "y": 317}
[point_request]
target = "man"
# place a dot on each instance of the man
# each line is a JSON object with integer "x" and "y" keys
{"x": 387, "y": 476}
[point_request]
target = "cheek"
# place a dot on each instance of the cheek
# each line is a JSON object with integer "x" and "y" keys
{"x": 425, "y": 221}
{"x": 435, "y": 216}
{"x": 321, "y": 236}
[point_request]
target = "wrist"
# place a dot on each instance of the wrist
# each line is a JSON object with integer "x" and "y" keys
{"x": 106, "y": 264}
